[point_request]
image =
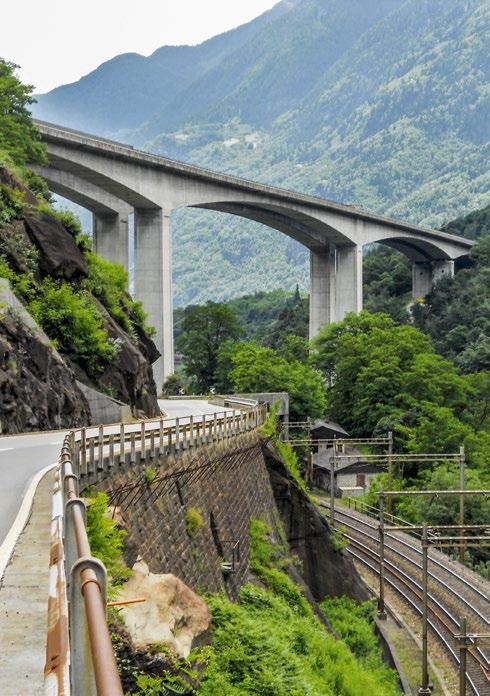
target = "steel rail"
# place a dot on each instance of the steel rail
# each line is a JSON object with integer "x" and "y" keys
{"x": 434, "y": 577}
{"x": 414, "y": 548}
{"x": 476, "y": 653}
{"x": 467, "y": 584}
{"x": 418, "y": 610}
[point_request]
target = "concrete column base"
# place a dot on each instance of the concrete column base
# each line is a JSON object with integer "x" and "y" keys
{"x": 335, "y": 285}
{"x": 442, "y": 269}
{"x": 348, "y": 280}
{"x": 111, "y": 237}
{"x": 421, "y": 279}
{"x": 153, "y": 283}
{"x": 322, "y": 289}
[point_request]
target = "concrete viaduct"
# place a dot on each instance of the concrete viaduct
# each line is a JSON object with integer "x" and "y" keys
{"x": 112, "y": 180}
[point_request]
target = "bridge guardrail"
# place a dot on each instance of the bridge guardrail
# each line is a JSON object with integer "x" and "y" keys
{"x": 79, "y": 654}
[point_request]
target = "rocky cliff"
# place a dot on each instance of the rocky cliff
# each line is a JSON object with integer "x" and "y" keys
{"x": 97, "y": 333}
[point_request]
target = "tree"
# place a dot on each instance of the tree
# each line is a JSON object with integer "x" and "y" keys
{"x": 204, "y": 330}
{"x": 378, "y": 369}
{"x": 254, "y": 368}
{"x": 173, "y": 385}
{"x": 19, "y": 138}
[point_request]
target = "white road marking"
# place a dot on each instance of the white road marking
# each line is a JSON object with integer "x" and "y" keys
{"x": 8, "y": 545}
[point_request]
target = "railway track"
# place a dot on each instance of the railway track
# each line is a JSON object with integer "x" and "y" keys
{"x": 450, "y": 594}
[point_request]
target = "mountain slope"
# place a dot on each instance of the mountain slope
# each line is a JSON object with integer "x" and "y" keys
{"x": 379, "y": 103}
{"x": 99, "y": 100}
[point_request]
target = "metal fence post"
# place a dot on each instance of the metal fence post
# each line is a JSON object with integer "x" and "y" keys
{"x": 424, "y": 689}
{"x": 390, "y": 472}
{"x": 191, "y": 431}
{"x": 333, "y": 461}
{"x": 381, "y": 600}
{"x": 177, "y": 433}
{"x": 91, "y": 455}
{"x": 461, "y": 500}
{"x": 462, "y": 657}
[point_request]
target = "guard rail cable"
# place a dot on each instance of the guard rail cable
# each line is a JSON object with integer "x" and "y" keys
{"x": 79, "y": 654}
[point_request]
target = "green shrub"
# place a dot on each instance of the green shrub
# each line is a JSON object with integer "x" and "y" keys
{"x": 150, "y": 474}
{"x": 108, "y": 282}
{"x": 21, "y": 284}
{"x": 72, "y": 320}
{"x": 11, "y": 203}
{"x": 270, "y": 431}
{"x": 106, "y": 538}
{"x": 193, "y": 521}
{"x": 67, "y": 218}
{"x": 339, "y": 540}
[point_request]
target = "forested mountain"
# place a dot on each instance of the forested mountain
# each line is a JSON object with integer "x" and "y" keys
{"x": 379, "y": 103}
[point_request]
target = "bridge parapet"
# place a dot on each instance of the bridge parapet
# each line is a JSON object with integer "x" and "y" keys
{"x": 79, "y": 657}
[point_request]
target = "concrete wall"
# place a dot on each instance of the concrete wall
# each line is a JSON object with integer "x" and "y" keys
{"x": 229, "y": 483}
{"x": 103, "y": 408}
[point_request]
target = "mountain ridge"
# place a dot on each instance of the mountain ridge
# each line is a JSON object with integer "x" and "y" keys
{"x": 376, "y": 104}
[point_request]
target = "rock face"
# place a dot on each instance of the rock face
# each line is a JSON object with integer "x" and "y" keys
{"x": 37, "y": 389}
{"x": 326, "y": 571}
{"x": 130, "y": 377}
{"x": 60, "y": 256}
{"x": 172, "y": 614}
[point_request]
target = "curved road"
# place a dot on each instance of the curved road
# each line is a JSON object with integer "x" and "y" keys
{"x": 22, "y": 456}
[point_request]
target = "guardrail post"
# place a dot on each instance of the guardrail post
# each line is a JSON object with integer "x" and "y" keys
{"x": 122, "y": 445}
{"x": 152, "y": 444}
{"x": 133, "y": 449}
{"x": 177, "y": 434}
{"x": 233, "y": 422}
{"x": 161, "y": 436}
{"x": 204, "y": 436}
{"x": 191, "y": 431}
{"x": 70, "y": 540}
{"x": 81, "y": 665}
{"x": 215, "y": 427}
{"x": 100, "y": 449}
{"x": 111, "y": 451}
{"x": 83, "y": 451}
{"x": 143, "y": 441}
{"x": 91, "y": 455}
{"x": 381, "y": 600}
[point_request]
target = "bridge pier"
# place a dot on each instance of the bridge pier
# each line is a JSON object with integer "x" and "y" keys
{"x": 111, "y": 236}
{"x": 153, "y": 282}
{"x": 426, "y": 274}
{"x": 335, "y": 285}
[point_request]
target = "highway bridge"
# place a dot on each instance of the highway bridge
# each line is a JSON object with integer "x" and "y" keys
{"x": 112, "y": 180}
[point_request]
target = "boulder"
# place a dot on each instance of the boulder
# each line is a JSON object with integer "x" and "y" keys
{"x": 172, "y": 614}
{"x": 60, "y": 255}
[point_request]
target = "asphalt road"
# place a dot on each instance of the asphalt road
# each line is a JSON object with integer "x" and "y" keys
{"x": 22, "y": 456}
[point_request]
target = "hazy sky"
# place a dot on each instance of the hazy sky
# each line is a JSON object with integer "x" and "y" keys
{"x": 58, "y": 41}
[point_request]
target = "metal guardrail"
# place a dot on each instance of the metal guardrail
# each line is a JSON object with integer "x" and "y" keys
{"x": 79, "y": 653}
